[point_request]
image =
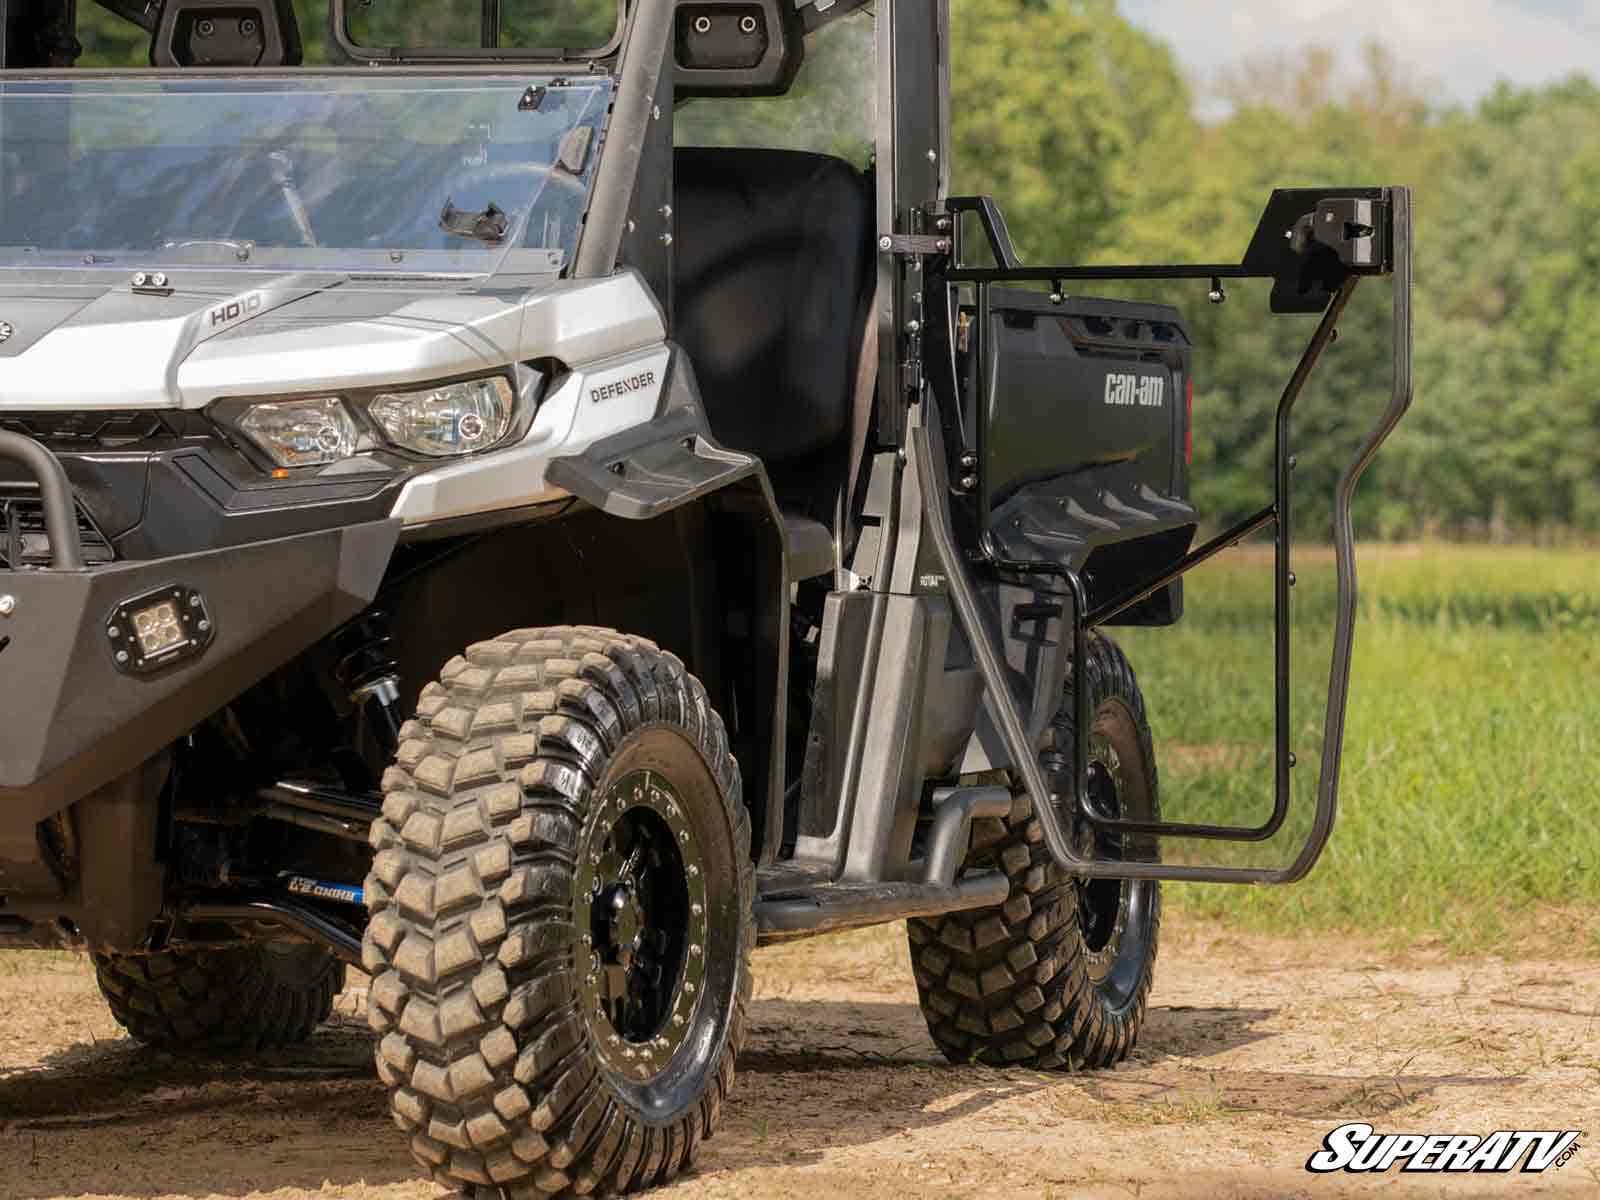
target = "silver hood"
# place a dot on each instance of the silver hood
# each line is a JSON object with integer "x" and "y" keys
{"x": 83, "y": 341}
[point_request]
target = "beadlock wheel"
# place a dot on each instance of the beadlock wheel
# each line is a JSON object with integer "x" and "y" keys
{"x": 562, "y": 917}
{"x": 641, "y": 920}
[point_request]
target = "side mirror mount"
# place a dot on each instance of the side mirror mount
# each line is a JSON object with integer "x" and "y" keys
{"x": 736, "y": 47}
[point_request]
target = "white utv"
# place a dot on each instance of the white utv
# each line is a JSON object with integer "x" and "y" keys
{"x": 507, "y": 519}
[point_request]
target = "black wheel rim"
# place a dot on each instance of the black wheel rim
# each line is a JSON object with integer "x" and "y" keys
{"x": 640, "y": 925}
{"x": 1114, "y": 915}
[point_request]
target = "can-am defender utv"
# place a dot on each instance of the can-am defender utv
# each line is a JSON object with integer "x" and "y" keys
{"x": 453, "y": 530}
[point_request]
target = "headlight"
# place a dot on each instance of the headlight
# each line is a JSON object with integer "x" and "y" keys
{"x": 452, "y": 418}
{"x": 302, "y": 433}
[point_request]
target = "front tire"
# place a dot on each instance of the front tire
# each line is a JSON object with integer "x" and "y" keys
{"x": 1058, "y": 975}
{"x": 562, "y": 917}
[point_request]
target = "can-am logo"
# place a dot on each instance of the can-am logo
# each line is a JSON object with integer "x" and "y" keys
{"x": 1142, "y": 390}
{"x": 1357, "y": 1147}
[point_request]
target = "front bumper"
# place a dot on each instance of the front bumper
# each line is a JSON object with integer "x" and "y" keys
{"x": 70, "y": 720}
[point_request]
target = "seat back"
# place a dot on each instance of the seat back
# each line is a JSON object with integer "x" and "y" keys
{"x": 772, "y": 261}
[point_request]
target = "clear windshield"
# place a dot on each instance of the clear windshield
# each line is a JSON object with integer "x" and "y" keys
{"x": 326, "y": 172}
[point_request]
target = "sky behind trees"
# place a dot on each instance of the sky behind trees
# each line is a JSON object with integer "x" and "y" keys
{"x": 1454, "y": 50}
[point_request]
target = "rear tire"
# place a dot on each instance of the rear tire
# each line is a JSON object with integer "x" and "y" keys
{"x": 1058, "y": 975}
{"x": 562, "y": 917}
{"x": 239, "y": 998}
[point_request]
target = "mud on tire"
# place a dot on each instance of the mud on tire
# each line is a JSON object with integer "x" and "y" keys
{"x": 500, "y": 784}
{"x": 237, "y": 998}
{"x": 1058, "y": 975}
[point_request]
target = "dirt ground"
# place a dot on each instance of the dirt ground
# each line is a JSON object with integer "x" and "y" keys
{"x": 1253, "y": 1049}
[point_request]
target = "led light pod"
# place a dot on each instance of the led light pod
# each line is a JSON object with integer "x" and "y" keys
{"x": 302, "y": 433}
{"x": 157, "y": 629}
{"x": 447, "y": 419}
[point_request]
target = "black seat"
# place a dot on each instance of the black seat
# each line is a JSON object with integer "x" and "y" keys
{"x": 771, "y": 262}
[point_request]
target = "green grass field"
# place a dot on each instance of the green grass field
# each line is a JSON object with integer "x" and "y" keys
{"x": 1468, "y": 812}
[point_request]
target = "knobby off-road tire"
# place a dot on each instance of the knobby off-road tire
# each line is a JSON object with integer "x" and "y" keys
{"x": 1058, "y": 975}
{"x": 238, "y": 998}
{"x": 537, "y": 764}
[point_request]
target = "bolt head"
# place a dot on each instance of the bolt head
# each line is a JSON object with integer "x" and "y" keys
{"x": 140, "y": 279}
{"x": 886, "y": 242}
{"x": 969, "y": 482}
{"x": 8, "y": 605}
{"x": 158, "y": 280}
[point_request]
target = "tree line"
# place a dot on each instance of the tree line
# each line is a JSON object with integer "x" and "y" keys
{"x": 1084, "y": 130}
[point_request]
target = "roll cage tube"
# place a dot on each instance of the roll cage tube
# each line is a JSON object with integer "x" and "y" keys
{"x": 1315, "y": 265}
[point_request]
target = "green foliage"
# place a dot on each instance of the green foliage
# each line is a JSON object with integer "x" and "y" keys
{"x": 1060, "y": 109}
{"x": 1081, "y": 128}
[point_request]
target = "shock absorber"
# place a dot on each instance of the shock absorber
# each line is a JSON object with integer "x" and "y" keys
{"x": 369, "y": 672}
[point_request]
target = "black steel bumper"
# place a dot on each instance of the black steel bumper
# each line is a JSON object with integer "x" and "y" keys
{"x": 71, "y": 720}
